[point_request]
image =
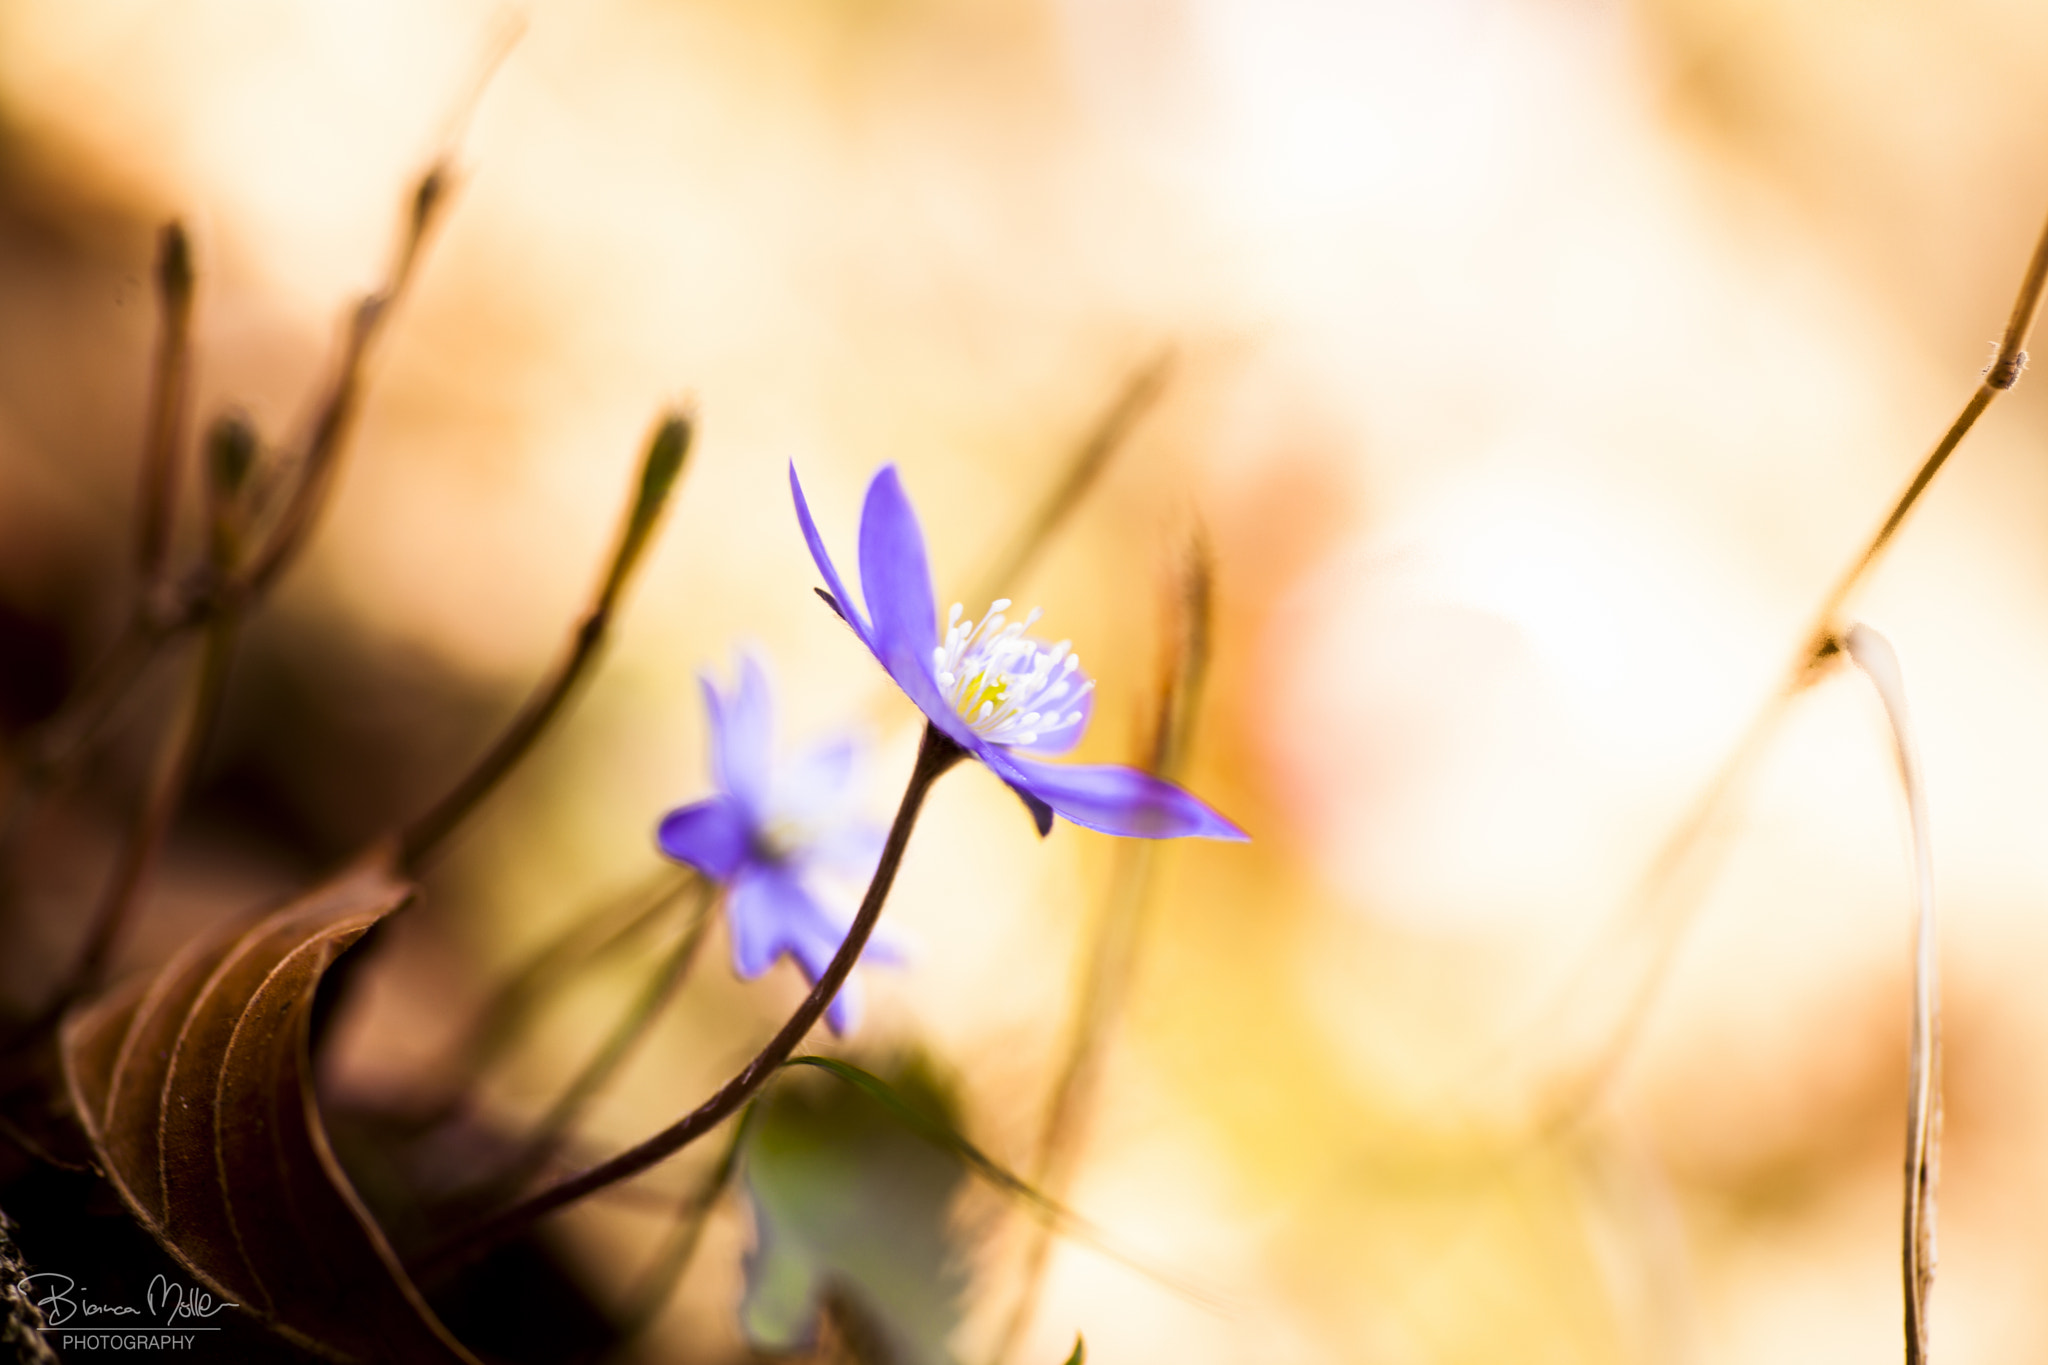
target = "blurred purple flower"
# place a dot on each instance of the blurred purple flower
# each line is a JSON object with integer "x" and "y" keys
{"x": 991, "y": 689}
{"x": 769, "y": 833}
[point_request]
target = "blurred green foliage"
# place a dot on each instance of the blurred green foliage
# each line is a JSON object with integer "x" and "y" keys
{"x": 850, "y": 1217}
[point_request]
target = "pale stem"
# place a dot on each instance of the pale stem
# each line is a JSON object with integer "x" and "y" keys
{"x": 1113, "y": 954}
{"x": 157, "y": 498}
{"x": 553, "y": 1130}
{"x": 1874, "y": 655}
{"x": 1662, "y": 907}
{"x": 666, "y": 453}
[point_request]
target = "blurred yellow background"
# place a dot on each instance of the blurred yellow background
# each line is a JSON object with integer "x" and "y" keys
{"x": 1538, "y": 365}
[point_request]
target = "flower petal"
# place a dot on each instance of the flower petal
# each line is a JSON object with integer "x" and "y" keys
{"x": 814, "y": 787}
{"x": 910, "y": 668}
{"x": 897, "y": 582}
{"x": 845, "y": 1010}
{"x": 814, "y": 952}
{"x": 712, "y": 836}
{"x": 1119, "y": 800}
{"x": 998, "y": 761}
{"x": 1061, "y": 740}
{"x": 741, "y": 741}
{"x": 895, "y": 578}
{"x": 885, "y": 949}
{"x": 773, "y": 913}
{"x": 814, "y": 955}
{"x": 849, "y": 848}
{"x": 914, "y": 675}
{"x": 764, "y": 911}
{"x": 847, "y": 607}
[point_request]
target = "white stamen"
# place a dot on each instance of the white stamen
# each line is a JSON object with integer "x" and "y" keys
{"x": 1004, "y": 684}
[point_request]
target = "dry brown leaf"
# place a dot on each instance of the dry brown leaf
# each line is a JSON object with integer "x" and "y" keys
{"x": 195, "y": 1090}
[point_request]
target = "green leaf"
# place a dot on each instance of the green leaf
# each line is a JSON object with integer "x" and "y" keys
{"x": 938, "y": 1128}
{"x": 1080, "y": 1355}
{"x": 850, "y": 1216}
{"x": 194, "y": 1088}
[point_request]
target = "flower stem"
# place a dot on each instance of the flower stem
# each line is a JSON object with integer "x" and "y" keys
{"x": 657, "y": 1284}
{"x": 1670, "y": 891}
{"x": 55, "y": 746}
{"x": 935, "y": 755}
{"x": 516, "y": 1001}
{"x": 1132, "y": 402}
{"x": 665, "y": 455}
{"x": 2003, "y": 372}
{"x": 335, "y": 417}
{"x": 157, "y": 500}
{"x": 1114, "y": 951}
{"x": 176, "y": 760}
{"x": 1820, "y": 640}
{"x": 552, "y": 1131}
{"x": 420, "y": 840}
{"x": 1874, "y": 654}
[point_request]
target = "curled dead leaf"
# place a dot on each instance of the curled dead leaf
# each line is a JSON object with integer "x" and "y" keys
{"x": 194, "y": 1087}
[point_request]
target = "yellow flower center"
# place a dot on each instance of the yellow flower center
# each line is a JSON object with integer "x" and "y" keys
{"x": 1008, "y": 687}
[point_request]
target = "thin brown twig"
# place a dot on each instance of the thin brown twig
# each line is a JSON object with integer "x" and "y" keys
{"x": 1646, "y": 941}
{"x": 155, "y": 514}
{"x": 657, "y": 1284}
{"x": 177, "y": 759}
{"x": 418, "y": 841}
{"x": 157, "y": 499}
{"x": 518, "y": 998}
{"x": 1113, "y": 952}
{"x": 1828, "y": 617}
{"x": 335, "y": 417}
{"x": 230, "y": 449}
{"x": 507, "y": 28}
{"x": 1661, "y": 908}
{"x": 1109, "y": 434}
{"x": 213, "y": 599}
{"x": 554, "y": 1128}
{"x": 936, "y": 755}
{"x": 56, "y": 744}
{"x": 658, "y": 472}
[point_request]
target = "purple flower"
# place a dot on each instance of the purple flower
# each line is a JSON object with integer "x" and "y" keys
{"x": 767, "y": 835}
{"x": 990, "y": 688}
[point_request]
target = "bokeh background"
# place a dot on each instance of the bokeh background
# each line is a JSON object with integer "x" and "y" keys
{"x": 1538, "y": 364}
